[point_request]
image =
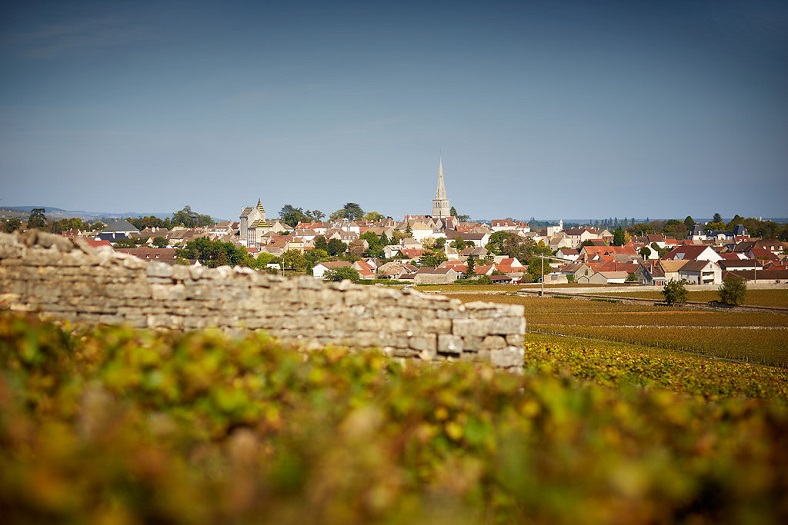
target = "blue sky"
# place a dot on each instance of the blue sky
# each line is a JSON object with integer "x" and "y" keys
{"x": 573, "y": 109}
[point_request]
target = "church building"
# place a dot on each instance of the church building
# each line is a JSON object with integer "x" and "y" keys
{"x": 440, "y": 204}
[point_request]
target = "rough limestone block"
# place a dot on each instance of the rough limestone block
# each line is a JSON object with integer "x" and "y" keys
{"x": 168, "y": 292}
{"x": 450, "y": 344}
{"x": 508, "y": 325}
{"x": 424, "y": 343}
{"x": 158, "y": 269}
{"x": 515, "y": 340}
{"x": 180, "y": 272}
{"x": 471, "y": 327}
{"x": 481, "y": 310}
{"x": 493, "y": 342}
{"x": 509, "y": 357}
{"x": 472, "y": 343}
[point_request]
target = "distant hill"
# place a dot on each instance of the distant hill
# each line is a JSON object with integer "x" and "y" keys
{"x": 59, "y": 213}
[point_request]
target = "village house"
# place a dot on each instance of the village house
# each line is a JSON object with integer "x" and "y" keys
{"x": 117, "y": 229}
{"x": 700, "y": 272}
{"x": 693, "y": 253}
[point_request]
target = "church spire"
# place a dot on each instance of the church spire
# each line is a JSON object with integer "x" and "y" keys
{"x": 440, "y": 204}
{"x": 440, "y": 192}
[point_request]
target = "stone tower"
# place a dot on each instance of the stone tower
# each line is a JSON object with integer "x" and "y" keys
{"x": 440, "y": 204}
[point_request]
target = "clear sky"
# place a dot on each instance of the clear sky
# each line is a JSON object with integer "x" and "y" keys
{"x": 546, "y": 109}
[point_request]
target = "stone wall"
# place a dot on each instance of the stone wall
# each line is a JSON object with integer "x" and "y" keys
{"x": 71, "y": 280}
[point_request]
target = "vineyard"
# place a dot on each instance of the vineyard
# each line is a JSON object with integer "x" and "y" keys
{"x": 112, "y": 425}
{"x": 749, "y": 337}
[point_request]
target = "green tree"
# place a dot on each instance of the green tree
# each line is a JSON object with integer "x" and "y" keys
{"x": 160, "y": 242}
{"x": 350, "y": 211}
{"x": 291, "y": 215}
{"x": 619, "y": 238}
{"x": 340, "y": 274}
{"x": 335, "y": 247}
{"x": 675, "y": 293}
{"x": 470, "y": 266}
{"x": 689, "y": 222}
{"x": 538, "y": 267}
{"x": 373, "y": 216}
{"x": 125, "y": 242}
{"x": 375, "y": 244}
{"x": 190, "y": 219}
{"x": 674, "y": 228}
{"x": 315, "y": 256}
{"x": 645, "y": 252}
{"x": 733, "y": 290}
{"x": 213, "y": 253}
{"x": 294, "y": 260}
{"x": 13, "y": 224}
{"x": 458, "y": 244}
{"x": 433, "y": 259}
{"x": 717, "y": 218}
{"x": 37, "y": 219}
{"x": 321, "y": 243}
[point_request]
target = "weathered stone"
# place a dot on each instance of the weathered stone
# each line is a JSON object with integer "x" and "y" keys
{"x": 158, "y": 269}
{"x": 509, "y": 357}
{"x": 493, "y": 342}
{"x": 450, "y": 344}
{"x": 515, "y": 339}
{"x": 422, "y": 343}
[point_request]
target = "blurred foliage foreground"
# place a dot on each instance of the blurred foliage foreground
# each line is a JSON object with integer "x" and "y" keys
{"x": 118, "y": 426}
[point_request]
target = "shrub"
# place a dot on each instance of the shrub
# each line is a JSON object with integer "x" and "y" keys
{"x": 733, "y": 290}
{"x": 675, "y": 293}
{"x": 340, "y": 274}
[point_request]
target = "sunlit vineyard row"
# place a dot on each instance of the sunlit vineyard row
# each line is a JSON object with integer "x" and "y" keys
{"x": 112, "y": 425}
{"x": 754, "y": 337}
{"x": 618, "y": 364}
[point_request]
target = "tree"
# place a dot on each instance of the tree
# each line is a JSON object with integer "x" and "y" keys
{"x": 618, "y": 237}
{"x": 733, "y": 290}
{"x": 213, "y": 253}
{"x": 190, "y": 219}
{"x": 460, "y": 218}
{"x": 342, "y": 273}
{"x": 125, "y": 242}
{"x": 160, "y": 242}
{"x": 675, "y": 293}
{"x": 689, "y": 222}
{"x": 350, "y": 211}
{"x": 37, "y": 219}
{"x": 291, "y": 215}
{"x": 294, "y": 260}
{"x": 717, "y": 218}
{"x": 538, "y": 267}
{"x": 373, "y": 216}
{"x": 470, "y": 267}
{"x": 335, "y": 247}
{"x": 12, "y": 225}
{"x": 458, "y": 244}
{"x": 433, "y": 259}
{"x": 674, "y": 228}
{"x": 645, "y": 252}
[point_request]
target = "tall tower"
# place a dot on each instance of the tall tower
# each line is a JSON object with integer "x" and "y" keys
{"x": 440, "y": 204}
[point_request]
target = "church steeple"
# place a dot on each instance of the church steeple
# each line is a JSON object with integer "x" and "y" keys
{"x": 440, "y": 193}
{"x": 440, "y": 204}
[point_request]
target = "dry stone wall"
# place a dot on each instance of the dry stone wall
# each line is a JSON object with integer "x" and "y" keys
{"x": 71, "y": 280}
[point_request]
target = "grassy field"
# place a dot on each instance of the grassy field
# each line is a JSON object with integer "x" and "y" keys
{"x": 113, "y": 425}
{"x": 755, "y": 337}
